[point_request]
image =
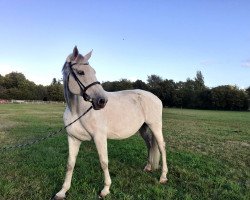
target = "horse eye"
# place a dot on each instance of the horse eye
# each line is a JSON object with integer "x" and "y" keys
{"x": 80, "y": 72}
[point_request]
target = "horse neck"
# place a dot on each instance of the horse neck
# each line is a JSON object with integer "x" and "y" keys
{"x": 78, "y": 104}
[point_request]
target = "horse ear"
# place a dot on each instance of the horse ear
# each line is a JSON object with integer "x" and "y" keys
{"x": 75, "y": 52}
{"x": 88, "y": 55}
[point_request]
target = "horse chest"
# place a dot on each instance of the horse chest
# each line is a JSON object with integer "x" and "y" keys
{"x": 78, "y": 131}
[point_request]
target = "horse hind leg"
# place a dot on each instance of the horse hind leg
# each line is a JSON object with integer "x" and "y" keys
{"x": 156, "y": 129}
{"x": 153, "y": 150}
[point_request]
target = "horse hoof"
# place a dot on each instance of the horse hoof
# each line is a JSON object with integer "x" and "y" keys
{"x": 103, "y": 194}
{"x": 58, "y": 198}
{"x": 148, "y": 168}
{"x": 99, "y": 195}
{"x": 163, "y": 180}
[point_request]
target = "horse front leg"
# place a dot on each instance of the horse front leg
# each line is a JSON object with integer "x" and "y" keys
{"x": 74, "y": 145}
{"x": 101, "y": 145}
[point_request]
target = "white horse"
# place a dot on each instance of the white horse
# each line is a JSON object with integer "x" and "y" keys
{"x": 116, "y": 115}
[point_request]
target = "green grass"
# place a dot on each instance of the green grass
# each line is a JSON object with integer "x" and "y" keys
{"x": 208, "y": 154}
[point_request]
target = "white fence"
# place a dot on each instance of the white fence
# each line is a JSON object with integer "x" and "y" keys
{"x": 34, "y": 102}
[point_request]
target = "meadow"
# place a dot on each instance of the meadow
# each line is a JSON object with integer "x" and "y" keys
{"x": 208, "y": 155}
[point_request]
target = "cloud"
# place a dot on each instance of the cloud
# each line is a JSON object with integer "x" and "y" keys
{"x": 246, "y": 63}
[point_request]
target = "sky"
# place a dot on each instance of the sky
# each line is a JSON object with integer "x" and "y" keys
{"x": 130, "y": 39}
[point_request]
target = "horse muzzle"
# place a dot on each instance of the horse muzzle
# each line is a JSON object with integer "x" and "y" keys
{"x": 99, "y": 103}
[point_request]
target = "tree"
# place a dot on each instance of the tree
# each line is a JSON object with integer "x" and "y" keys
{"x": 123, "y": 84}
{"x": 15, "y": 86}
{"x": 1, "y": 80}
{"x": 55, "y": 91}
{"x": 155, "y": 85}
{"x": 41, "y": 93}
{"x": 169, "y": 94}
{"x": 13, "y": 80}
{"x": 193, "y": 93}
{"x": 228, "y": 97}
{"x": 139, "y": 84}
{"x": 154, "y": 81}
{"x": 205, "y": 99}
{"x": 54, "y": 81}
{"x": 248, "y": 92}
{"x": 199, "y": 81}
{"x": 187, "y": 93}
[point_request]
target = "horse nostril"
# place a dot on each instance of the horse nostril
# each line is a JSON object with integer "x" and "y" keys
{"x": 102, "y": 102}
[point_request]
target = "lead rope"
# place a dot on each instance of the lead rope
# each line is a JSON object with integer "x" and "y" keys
{"x": 48, "y": 136}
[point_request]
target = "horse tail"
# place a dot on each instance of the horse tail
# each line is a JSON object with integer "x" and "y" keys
{"x": 151, "y": 143}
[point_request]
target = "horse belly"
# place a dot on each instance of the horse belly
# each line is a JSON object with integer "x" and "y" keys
{"x": 124, "y": 126}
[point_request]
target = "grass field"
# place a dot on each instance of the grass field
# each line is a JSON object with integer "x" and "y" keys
{"x": 208, "y": 154}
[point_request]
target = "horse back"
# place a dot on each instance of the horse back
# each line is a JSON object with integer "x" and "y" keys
{"x": 127, "y": 110}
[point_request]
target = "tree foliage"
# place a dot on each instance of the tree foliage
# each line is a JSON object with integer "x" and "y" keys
{"x": 15, "y": 86}
{"x": 228, "y": 98}
{"x": 55, "y": 91}
{"x": 248, "y": 92}
{"x": 191, "y": 93}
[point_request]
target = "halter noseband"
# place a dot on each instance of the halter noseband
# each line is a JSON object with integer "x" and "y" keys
{"x": 82, "y": 87}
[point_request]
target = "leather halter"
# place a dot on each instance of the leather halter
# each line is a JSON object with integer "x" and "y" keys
{"x": 82, "y": 87}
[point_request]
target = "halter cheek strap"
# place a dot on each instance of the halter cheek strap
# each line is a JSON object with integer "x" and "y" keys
{"x": 82, "y": 87}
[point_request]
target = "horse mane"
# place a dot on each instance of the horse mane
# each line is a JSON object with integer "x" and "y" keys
{"x": 67, "y": 93}
{"x": 66, "y": 72}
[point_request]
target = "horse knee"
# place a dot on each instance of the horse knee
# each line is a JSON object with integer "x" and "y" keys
{"x": 69, "y": 167}
{"x": 70, "y": 164}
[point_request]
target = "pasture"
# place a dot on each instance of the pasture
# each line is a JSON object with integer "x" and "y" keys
{"x": 208, "y": 154}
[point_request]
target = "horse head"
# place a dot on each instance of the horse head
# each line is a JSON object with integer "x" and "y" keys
{"x": 79, "y": 79}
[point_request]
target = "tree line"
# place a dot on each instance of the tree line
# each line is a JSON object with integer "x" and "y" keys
{"x": 15, "y": 86}
{"x": 192, "y": 93}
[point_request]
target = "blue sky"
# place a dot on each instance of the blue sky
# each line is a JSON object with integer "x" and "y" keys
{"x": 130, "y": 39}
